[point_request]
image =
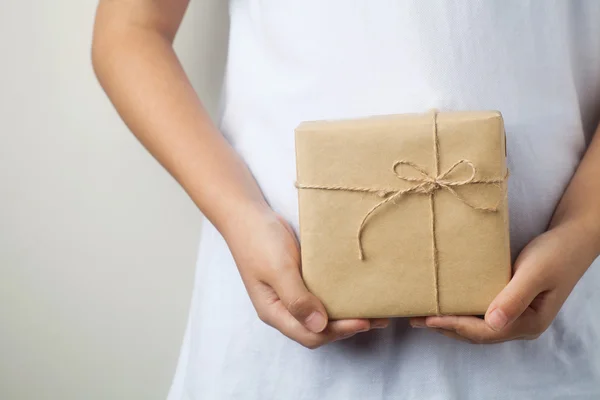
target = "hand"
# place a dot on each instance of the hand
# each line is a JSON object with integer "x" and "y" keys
{"x": 268, "y": 258}
{"x": 544, "y": 274}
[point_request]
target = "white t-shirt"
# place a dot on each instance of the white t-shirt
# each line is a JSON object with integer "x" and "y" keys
{"x": 538, "y": 62}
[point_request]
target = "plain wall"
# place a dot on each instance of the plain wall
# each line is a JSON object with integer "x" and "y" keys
{"x": 97, "y": 242}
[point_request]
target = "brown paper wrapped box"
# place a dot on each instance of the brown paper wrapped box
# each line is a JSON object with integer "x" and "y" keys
{"x": 404, "y": 215}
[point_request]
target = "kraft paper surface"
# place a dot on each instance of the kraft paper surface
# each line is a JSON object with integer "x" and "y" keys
{"x": 397, "y": 276}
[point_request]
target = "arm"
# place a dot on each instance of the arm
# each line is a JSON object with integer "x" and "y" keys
{"x": 135, "y": 63}
{"x": 580, "y": 205}
{"x": 547, "y": 269}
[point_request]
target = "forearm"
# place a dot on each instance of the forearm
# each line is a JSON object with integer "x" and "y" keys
{"x": 579, "y": 207}
{"x": 141, "y": 74}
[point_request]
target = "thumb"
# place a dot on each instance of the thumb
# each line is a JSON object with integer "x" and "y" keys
{"x": 513, "y": 300}
{"x": 303, "y": 305}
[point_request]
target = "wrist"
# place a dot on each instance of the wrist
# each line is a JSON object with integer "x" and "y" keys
{"x": 245, "y": 218}
{"x": 591, "y": 228}
{"x": 581, "y": 236}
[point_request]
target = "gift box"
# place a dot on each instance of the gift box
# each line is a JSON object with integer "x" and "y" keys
{"x": 404, "y": 215}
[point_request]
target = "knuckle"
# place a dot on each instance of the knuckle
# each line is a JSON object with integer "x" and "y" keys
{"x": 299, "y": 305}
{"x": 462, "y": 332}
{"x": 263, "y": 316}
{"x": 538, "y": 326}
{"x": 291, "y": 264}
{"x": 285, "y": 265}
{"x": 311, "y": 344}
{"x": 518, "y": 300}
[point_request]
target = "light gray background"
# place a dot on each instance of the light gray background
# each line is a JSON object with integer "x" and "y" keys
{"x": 97, "y": 242}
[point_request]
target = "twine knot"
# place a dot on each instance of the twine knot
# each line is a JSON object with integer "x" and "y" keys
{"x": 428, "y": 187}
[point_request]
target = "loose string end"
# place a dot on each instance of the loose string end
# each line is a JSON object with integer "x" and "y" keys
{"x": 361, "y": 253}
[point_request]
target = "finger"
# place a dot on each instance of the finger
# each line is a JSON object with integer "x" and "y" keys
{"x": 273, "y": 312}
{"x": 477, "y": 330}
{"x": 450, "y": 334}
{"x": 345, "y": 328}
{"x": 514, "y": 299}
{"x": 469, "y": 328}
{"x": 379, "y": 323}
{"x": 281, "y": 319}
{"x": 418, "y": 322}
{"x": 301, "y": 304}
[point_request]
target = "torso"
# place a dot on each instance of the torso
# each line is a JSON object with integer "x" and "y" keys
{"x": 537, "y": 62}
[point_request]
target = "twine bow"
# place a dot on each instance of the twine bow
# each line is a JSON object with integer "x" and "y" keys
{"x": 424, "y": 184}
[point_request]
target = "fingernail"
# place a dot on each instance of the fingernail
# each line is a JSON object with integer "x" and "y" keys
{"x": 346, "y": 336}
{"x": 315, "y": 322}
{"x": 364, "y": 329}
{"x": 432, "y": 322}
{"x": 497, "y": 319}
{"x": 418, "y": 324}
{"x": 379, "y": 325}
